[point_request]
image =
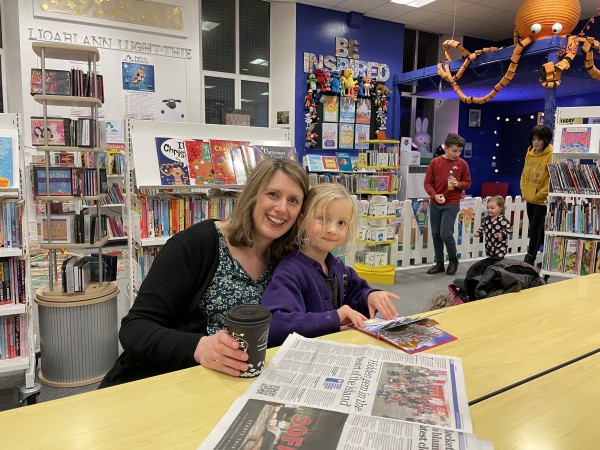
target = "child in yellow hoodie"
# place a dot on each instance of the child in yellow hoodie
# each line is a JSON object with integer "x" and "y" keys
{"x": 534, "y": 186}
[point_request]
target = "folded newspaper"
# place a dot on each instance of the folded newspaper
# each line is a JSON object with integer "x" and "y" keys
{"x": 318, "y": 394}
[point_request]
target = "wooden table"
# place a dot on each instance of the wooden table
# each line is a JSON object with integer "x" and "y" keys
{"x": 557, "y": 411}
{"x": 500, "y": 340}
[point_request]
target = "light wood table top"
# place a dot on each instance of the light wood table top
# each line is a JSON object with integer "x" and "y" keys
{"x": 555, "y": 412}
{"x": 500, "y": 340}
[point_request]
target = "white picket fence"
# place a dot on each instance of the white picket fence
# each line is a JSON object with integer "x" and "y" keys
{"x": 414, "y": 248}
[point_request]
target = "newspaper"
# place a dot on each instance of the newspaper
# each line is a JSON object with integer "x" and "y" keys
{"x": 318, "y": 394}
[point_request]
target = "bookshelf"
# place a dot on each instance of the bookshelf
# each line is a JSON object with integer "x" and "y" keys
{"x": 17, "y": 340}
{"x": 377, "y": 188}
{"x": 572, "y": 236}
{"x": 78, "y": 328}
{"x": 148, "y": 202}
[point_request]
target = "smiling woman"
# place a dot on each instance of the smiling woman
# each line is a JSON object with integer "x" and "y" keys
{"x": 176, "y": 320}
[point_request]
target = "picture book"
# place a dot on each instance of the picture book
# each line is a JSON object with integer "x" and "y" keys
{"x": 586, "y": 249}
{"x": 575, "y": 139}
{"x": 330, "y": 135}
{"x": 262, "y": 152}
{"x": 61, "y": 181}
{"x": 238, "y": 165}
{"x": 314, "y": 163}
{"x": 199, "y": 163}
{"x": 347, "y": 109}
{"x": 172, "y": 161}
{"x": 363, "y": 111}
{"x": 222, "y": 160}
{"x": 556, "y": 254}
{"x": 596, "y": 265}
{"x": 8, "y": 171}
{"x": 571, "y": 258}
{"x": 248, "y": 153}
{"x": 344, "y": 161}
{"x": 409, "y": 335}
{"x": 330, "y": 163}
{"x": 330, "y": 108}
{"x": 62, "y": 228}
{"x": 58, "y": 82}
{"x": 346, "y": 135}
{"x": 361, "y": 134}
{"x": 57, "y": 131}
{"x": 406, "y": 144}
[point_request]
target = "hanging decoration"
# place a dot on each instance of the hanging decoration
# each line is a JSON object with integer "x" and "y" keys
{"x": 535, "y": 19}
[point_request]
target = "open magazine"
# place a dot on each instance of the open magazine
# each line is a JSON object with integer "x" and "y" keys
{"x": 318, "y": 394}
{"x": 409, "y": 334}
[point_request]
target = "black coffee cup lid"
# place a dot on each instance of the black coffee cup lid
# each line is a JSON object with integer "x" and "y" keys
{"x": 248, "y": 313}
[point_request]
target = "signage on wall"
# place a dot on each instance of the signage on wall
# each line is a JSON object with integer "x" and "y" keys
{"x": 346, "y": 55}
{"x": 41, "y": 34}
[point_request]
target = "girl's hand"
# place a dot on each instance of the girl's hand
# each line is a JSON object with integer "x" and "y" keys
{"x": 221, "y": 352}
{"x": 350, "y": 316}
{"x": 476, "y": 234}
{"x": 382, "y": 301}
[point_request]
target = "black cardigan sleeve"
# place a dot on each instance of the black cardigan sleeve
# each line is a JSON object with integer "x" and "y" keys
{"x": 166, "y": 323}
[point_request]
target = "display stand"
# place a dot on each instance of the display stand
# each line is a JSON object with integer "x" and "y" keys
{"x": 80, "y": 335}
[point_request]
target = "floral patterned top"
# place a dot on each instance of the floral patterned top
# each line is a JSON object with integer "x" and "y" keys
{"x": 231, "y": 286}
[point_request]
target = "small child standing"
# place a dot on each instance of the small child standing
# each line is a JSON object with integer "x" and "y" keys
{"x": 495, "y": 227}
{"x": 312, "y": 292}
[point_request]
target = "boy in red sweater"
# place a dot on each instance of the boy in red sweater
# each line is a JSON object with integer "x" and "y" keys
{"x": 446, "y": 179}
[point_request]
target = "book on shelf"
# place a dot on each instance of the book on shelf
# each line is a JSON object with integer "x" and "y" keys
{"x": 344, "y": 161}
{"x": 62, "y": 226}
{"x": 411, "y": 335}
{"x": 199, "y": 162}
{"x": 57, "y": 82}
{"x": 406, "y": 144}
{"x": 330, "y": 164}
{"x": 69, "y": 181}
{"x": 262, "y": 152}
{"x": 586, "y": 257}
{"x": 222, "y": 160}
{"x": 580, "y": 138}
{"x": 9, "y": 173}
{"x": 109, "y": 262}
{"x": 556, "y": 262}
{"x": 370, "y": 398}
{"x": 314, "y": 163}
{"x": 172, "y": 161}
{"x": 571, "y": 256}
{"x": 237, "y": 160}
{"x": 57, "y": 131}
{"x": 346, "y": 135}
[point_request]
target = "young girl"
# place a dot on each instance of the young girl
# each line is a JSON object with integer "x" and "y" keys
{"x": 312, "y": 292}
{"x": 495, "y": 227}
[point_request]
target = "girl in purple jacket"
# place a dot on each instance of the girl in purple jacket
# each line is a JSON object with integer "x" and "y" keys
{"x": 312, "y": 292}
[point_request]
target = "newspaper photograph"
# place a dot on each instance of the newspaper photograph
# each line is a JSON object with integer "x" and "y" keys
{"x": 258, "y": 424}
{"x": 367, "y": 380}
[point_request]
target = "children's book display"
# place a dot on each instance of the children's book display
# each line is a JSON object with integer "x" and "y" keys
{"x": 411, "y": 335}
{"x": 370, "y": 398}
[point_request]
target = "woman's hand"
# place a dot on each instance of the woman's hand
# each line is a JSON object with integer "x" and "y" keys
{"x": 221, "y": 352}
{"x": 350, "y": 316}
{"x": 382, "y": 301}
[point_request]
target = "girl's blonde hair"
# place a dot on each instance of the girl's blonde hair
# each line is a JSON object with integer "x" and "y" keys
{"x": 499, "y": 200}
{"x": 322, "y": 195}
{"x": 241, "y": 224}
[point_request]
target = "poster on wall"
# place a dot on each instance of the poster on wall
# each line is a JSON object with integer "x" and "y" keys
{"x": 137, "y": 77}
{"x": 330, "y": 108}
{"x": 361, "y": 134}
{"x": 363, "y": 111}
{"x": 347, "y": 112}
{"x": 330, "y": 135}
{"x": 346, "y": 136}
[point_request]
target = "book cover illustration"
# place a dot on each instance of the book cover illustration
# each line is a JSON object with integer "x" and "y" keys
{"x": 172, "y": 161}
{"x": 55, "y": 131}
{"x": 571, "y": 259}
{"x": 556, "y": 254}
{"x": 586, "y": 257}
{"x": 137, "y": 77}
{"x": 347, "y": 109}
{"x": 7, "y": 162}
{"x": 346, "y": 135}
{"x": 220, "y": 151}
{"x": 263, "y": 152}
{"x": 239, "y": 169}
{"x": 249, "y": 155}
{"x": 575, "y": 139}
{"x": 58, "y": 82}
{"x": 361, "y": 135}
{"x": 330, "y": 108}
{"x": 314, "y": 163}
{"x": 330, "y": 135}
{"x": 363, "y": 111}
{"x": 199, "y": 163}
{"x": 330, "y": 164}
{"x": 344, "y": 161}
{"x": 409, "y": 335}
{"x": 61, "y": 181}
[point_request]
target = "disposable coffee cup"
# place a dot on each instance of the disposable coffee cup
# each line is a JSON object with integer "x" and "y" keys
{"x": 249, "y": 325}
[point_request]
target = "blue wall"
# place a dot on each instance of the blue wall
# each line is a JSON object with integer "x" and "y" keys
{"x": 316, "y": 30}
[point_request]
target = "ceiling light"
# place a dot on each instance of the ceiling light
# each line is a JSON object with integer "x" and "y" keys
{"x": 207, "y": 26}
{"x": 262, "y": 62}
{"x": 413, "y": 3}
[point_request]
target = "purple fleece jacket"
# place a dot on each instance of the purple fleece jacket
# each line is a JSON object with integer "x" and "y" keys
{"x": 300, "y": 302}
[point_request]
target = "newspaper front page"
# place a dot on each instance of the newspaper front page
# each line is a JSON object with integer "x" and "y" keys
{"x": 320, "y": 394}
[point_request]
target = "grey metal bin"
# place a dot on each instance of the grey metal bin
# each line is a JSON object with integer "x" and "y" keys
{"x": 78, "y": 335}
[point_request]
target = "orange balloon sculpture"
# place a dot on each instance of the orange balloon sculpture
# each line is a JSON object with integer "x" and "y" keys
{"x": 535, "y": 19}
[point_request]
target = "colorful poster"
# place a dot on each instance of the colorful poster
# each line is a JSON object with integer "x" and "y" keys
{"x": 347, "y": 109}
{"x": 467, "y": 208}
{"x": 420, "y": 210}
{"x": 137, "y": 78}
{"x": 346, "y": 135}
{"x": 172, "y": 161}
{"x": 363, "y": 111}
{"x": 330, "y": 135}
{"x": 330, "y": 108}
{"x": 362, "y": 134}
